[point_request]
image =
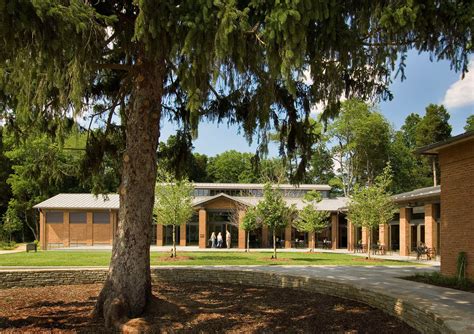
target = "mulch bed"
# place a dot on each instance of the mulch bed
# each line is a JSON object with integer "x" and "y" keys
{"x": 196, "y": 308}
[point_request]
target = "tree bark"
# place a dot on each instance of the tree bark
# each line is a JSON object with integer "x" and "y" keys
{"x": 369, "y": 241}
{"x": 248, "y": 241}
{"x": 128, "y": 285}
{"x": 274, "y": 245}
{"x": 174, "y": 241}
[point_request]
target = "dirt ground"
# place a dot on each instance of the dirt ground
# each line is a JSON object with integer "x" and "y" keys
{"x": 196, "y": 308}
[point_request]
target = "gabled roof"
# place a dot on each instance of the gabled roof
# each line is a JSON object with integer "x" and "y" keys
{"x": 200, "y": 200}
{"x": 81, "y": 201}
{"x": 434, "y": 149}
{"x": 422, "y": 193}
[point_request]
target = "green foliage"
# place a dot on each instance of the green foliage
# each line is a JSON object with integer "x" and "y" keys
{"x": 232, "y": 166}
{"x": 173, "y": 204}
{"x": 309, "y": 218}
{"x": 251, "y": 220}
{"x": 434, "y": 126}
{"x": 410, "y": 171}
{"x": 372, "y": 205}
{"x": 240, "y": 61}
{"x": 469, "y": 123}
{"x": 435, "y": 278}
{"x": 177, "y": 158}
{"x": 362, "y": 137}
{"x": 272, "y": 209}
{"x": 11, "y": 223}
{"x": 5, "y": 170}
{"x": 409, "y": 130}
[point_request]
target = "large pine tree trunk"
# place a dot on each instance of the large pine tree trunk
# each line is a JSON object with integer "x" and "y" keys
{"x": 128, "y": 285}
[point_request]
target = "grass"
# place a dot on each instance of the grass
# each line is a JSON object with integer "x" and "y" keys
{"x": 102, "y": 258}
{"x": 444, "y": 281}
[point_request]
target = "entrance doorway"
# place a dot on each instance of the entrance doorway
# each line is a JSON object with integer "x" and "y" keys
{"x": 220, "y": 221}
{"x": 342, "y": 242}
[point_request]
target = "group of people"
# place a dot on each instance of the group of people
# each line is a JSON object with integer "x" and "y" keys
{"x": 217, "y": 241}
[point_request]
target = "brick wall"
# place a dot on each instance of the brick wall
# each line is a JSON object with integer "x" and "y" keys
{"x": 416, "y": 315}
{"x": 457, "y": 206}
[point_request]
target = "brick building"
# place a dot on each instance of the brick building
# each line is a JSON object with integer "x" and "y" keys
{"x": 69, "y": 220}
{"x": 456, "y": 161}
{"x": 417, "y": 222}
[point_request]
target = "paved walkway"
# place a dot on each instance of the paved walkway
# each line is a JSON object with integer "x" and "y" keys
{"x": 19, "y": 249}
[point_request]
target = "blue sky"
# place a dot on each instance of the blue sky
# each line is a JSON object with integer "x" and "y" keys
{"x": 427, "y": 82}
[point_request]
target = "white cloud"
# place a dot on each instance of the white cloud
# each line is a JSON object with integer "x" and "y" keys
{"x": 461, "y": 93}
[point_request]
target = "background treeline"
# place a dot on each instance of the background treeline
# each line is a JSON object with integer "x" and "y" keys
{"x": 353, "y": 148}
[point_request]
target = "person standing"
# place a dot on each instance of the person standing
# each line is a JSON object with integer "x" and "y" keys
{"x": 213, "y": 240}
{"x": 219, "y": 240}
{"x": 227, "y": 239}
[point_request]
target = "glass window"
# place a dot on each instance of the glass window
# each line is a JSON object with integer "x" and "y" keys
{"x": 77, "y": 218}
{"x": 101, "y": 218}
{"x": 54, "y": 217}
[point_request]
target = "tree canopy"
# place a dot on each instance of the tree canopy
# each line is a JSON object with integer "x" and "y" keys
{"x": 241, "y": 61}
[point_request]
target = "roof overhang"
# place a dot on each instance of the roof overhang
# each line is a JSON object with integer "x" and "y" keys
{"x": 434, "y": 149}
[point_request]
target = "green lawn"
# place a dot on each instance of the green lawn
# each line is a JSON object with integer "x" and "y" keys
{"x": 101, "y": 258}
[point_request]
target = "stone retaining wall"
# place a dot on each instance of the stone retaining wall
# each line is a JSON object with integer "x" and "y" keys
{"x": 415, "y": 316}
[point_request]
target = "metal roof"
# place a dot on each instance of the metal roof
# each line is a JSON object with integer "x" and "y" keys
{"x": 421, "y": 193}
{"x": 327, "y": 204}
{"x": 243, "y": 186}
{"x": 81, "y": 201}
{"x": 433, "y": 149}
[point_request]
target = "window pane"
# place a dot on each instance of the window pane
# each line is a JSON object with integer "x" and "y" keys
{"x": 54, "y": 217}
{"x": 101, "y": 217}
{"x": 77, "y": 218}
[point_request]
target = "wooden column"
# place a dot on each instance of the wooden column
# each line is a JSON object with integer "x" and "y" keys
{"x": 335, "y": 230}
{"x": 202, "y": 228}
{"x": 90, "y": 229}
{"x": 112, "y": 226}
{"x": 404, "y": 231}
{"x": 312, "y": 240}
{"x": 431, "y": 227}
{"x": 242, "y": 233}
{"x": 350, "y": 236}
{"x": 384, "y": 235}
{"x": 264, "y": 236}
{"x": 66, "y": 229}
{"x": 159, "y": 235}
{"x": 42, "y": 236}
{"x": 365, "y": 237}
{"x": 182, "y": 235}
{"x": 288, "y": 237}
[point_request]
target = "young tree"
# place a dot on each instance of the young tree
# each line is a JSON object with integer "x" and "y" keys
{"x": 310, "y": 219}
{"x": 272, "y": 211}
{"x": 173, "y": 204}
{"x": 249, "y": 223}
{"x": 236, "y": 60}
{"x": 372, "y": 205}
